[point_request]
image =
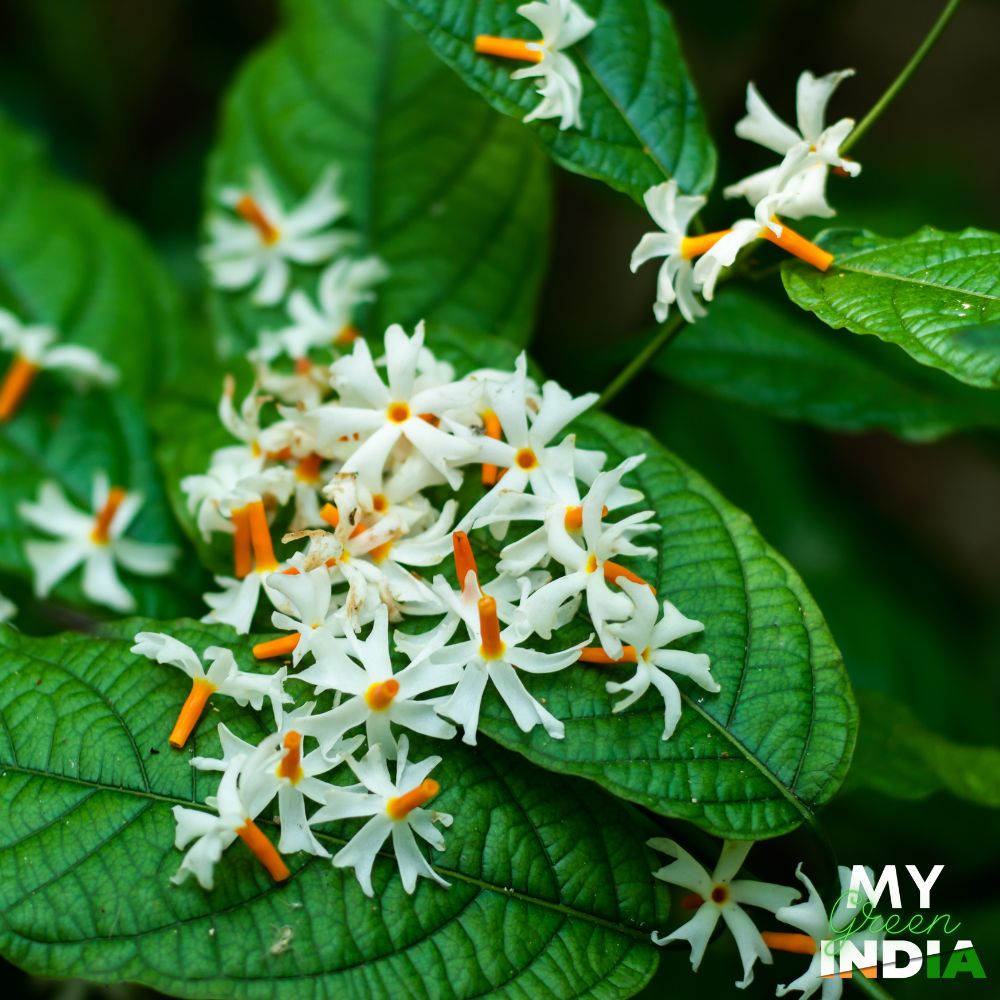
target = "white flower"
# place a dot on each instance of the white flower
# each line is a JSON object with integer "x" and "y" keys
{"x": 562, "y": 23}
{"x": 245, "y": 789}
{"x": 814, "y": 147}
{"x": 378, "y": 698}
{"x": 343, "y": 286}
{"x": 560, "y": 496}
{"x": 93, "y": 539}
{"x": 376, "y": 553}
{"x": 295, "y": 779}
{"x": 673, "y": 213}
{"x": 261, "y": 245}
{"x": 721, "y": 897}
{"x": 315, "y": 624}
{"x": 391, "y": 411}
{"x": 32, "y": 346}
{"x": 236, "y": 603}
{"x": 723, "y": 254}
{"x": 647, "y": 640}
{"x": 223, "y": 677}
{"x": 811, "y": 917}
{"x": 589, "y": 560}
{"x": 7, "y": 609}
{"x": 525, "y": 452}
{"x": 234, "y": 478}
{"x": 396, "y": 810}
{"x": 490, "y": 654}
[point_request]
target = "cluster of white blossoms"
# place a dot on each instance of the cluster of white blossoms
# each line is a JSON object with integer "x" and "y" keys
{"x": 561, "y": 23}
{"x": 354, "y": 460}
{"x": 719, "y": 895}
{"x": 794, "y": 188}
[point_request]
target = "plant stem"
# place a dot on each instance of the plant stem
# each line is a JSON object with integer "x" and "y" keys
{"x": 869, "y": 987}
{"x": 908, "y": 70}
{"x": 664, "y": 336}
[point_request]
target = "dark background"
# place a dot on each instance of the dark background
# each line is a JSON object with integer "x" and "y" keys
{"x": 900, "y": 543}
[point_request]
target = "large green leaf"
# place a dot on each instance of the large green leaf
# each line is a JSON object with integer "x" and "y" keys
{"x": 65, "y": 260}
{"x": 551, "y": 894}
{"x": 641, "y": 119}
{"x": 753, "y": 352}
{"x": 753, "y": 761}
{"x": 899, "y": 756}
{"x": 452, "y": 196}
{"x": 935, "y": 294}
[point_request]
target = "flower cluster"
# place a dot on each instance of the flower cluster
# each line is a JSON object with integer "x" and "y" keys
{"x": 794, "y": 188}
{"x": 355, "y": 460}
{"x": 719, "y": 895}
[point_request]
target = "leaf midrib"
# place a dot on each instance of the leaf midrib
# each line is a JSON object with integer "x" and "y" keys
{"x": 482, "y": 884}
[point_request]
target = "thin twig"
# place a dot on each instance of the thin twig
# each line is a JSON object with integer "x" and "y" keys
{"x": 663, "y": 337}
{"x": 908, "y": 70}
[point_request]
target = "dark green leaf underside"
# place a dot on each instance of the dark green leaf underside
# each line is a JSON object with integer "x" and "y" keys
{"x": 753, "y": 352}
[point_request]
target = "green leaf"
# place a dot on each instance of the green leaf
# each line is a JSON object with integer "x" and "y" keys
{"x": 453, "y": 197}
{"x": 551, "y": 893}
{"x": 641, "y": 120}
{"x": 753, "y": 352}
{"x": 897, "y": 755}
{"x": 935, "y": 294}
{"x": 65, "y": 260}
{"x": 758, "y": 758}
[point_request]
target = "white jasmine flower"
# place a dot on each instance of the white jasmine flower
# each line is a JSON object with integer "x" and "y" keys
{"x": 312, "y": 622}
{"x": 7, "y": 609}
{"x": 223, "y": 677}
{"x": 804, "y": 189}
{"x": 378, "y": 560}
{"x": 396, "y": 810}
{"x": 723, "y": 254}
{"x": 236, "y": 603}
{"x": 234, "y": 478}
{"x": 35, "y": 350}
{"x": 721, "y": 896}
{"x": 524, "y": 452}
{"x": 647, "y": 640}
{"x": 306, "y": 385}
{"x": 260, "y": 246}
{"x": 673, "y": 213}
{"x": 391, "y": 411}
{"x": 93, "y": 539}
{"x": 811, "y": 917}
{"x": 378, "y": 698}
{"x": 295, "y": 779}
{"x": 255, "y": 563}
{"x": 588, "y": 560}
{"x": 490, "y": 655}
{"x": 562, "y": 23}
{"x": 343, "y": 286}
{"x": 560, "y": 496}
{"x": 245, "y": 789}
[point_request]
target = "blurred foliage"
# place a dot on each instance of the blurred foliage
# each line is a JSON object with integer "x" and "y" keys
{"x": 899, "y": 543}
